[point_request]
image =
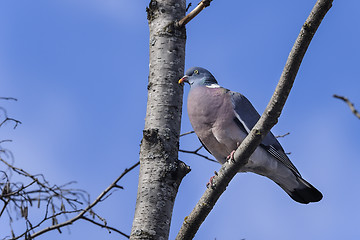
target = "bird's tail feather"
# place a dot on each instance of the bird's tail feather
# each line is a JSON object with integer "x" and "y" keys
{"x": 304, "y": 192}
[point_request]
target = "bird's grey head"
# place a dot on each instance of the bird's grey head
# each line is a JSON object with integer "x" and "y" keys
{"x": 197, "y": 76}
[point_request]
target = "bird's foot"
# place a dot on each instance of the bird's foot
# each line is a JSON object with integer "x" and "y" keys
{"x": 231, "y": 156}
{"x": 210, "y": 183}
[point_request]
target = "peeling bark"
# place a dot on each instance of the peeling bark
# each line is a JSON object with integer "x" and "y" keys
{"x": 160, "y": 170}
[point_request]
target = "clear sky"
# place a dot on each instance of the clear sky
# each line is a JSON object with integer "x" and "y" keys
{"x": 79, "y": 70}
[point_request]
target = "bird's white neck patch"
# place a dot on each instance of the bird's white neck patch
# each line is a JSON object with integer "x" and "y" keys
{"x": 214, "y": 85}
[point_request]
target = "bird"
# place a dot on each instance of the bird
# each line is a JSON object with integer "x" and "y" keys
{"x": 222, "y": 119}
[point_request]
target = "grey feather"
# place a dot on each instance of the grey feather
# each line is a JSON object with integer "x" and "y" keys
{"x": 248, "y": 117}
{"x": 222, "y": 118}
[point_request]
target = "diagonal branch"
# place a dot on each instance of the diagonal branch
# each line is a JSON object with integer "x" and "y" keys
{"x": 350, "y": 104}
{"x": 105, "y": 226}
{"x": 268, "y": 119}
{"x": 196, "y": 152}
{"x": 283, "y": 135}
{"x": 88, "y": 208}
{"x": 201, "y": 6}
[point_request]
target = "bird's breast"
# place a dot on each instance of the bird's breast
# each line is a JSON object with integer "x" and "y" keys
{"x": 203, "y": 105}
{"x": 209, "y": 109}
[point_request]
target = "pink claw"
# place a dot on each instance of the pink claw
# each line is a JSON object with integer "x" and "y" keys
{"x": 210, "y": 183}
{"x": 231, "y": 156}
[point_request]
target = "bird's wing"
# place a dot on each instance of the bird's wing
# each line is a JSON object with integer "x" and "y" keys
{"x": 204, "y": 146}
{"x": 247, "y": 117}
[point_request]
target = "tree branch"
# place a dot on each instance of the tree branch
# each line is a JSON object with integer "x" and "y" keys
{"x": 196, "y": 152}
{"x": 105, "y": 226}
{"x": 201, "y": 6}
{"x": 88, "y": 208}
{"x": 17, "y": 122}
{"x": 268, "y": 119}
{"x": 187, "y": 133}
{"x": 283, "y": 135}
{"x": 20, "y": 197}
{"x": 350, "y": 104}
{"x": 8, "y": 98}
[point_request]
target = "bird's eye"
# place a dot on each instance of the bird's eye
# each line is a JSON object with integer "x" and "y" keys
{"x": 196, "y": 71}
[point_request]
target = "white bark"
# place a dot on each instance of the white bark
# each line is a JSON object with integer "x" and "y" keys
{"x": 160, "y": 170}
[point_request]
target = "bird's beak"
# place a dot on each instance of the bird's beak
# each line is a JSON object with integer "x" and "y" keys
{"x": 183, "y": 79}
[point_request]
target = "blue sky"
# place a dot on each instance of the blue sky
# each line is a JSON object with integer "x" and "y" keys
{"x": 79, "y": 71}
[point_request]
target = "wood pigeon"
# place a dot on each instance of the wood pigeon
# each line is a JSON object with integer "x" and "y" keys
{"x": 222, "y": 118}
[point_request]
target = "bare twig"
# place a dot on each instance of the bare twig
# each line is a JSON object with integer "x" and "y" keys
{"x": 60, "y": 201}
{"x": 187, "y": 8}
{"x": 105, "y": 226}
{"x": 8, "y": 98}
{"x": 17, "y": 122}
{"x": 201, "y": 6}
{"x": 33, "y": 177}
{"x": 20, "y": 196}
{"x": 268, "y": 119}
{"x": 196, "y": 152}
{"x": 350, "y": 104}
{"x": 187, "y": 133}
{"x": 88, "y": 208}
{"x": 284, "y": 135}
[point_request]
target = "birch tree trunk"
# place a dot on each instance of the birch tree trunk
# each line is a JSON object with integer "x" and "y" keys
{"x": 160, "y": 170}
